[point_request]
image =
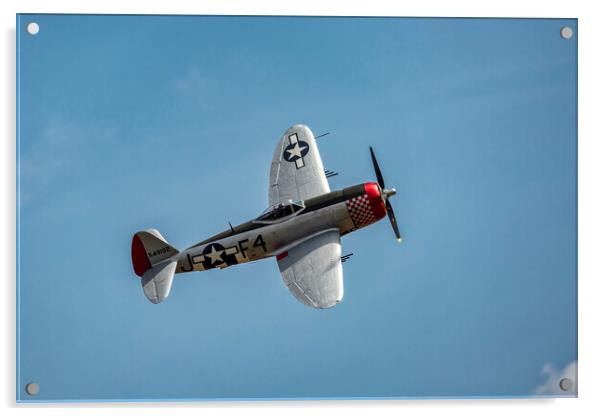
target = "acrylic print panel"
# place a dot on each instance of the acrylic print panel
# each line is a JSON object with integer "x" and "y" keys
{"x": 130, "y": 123}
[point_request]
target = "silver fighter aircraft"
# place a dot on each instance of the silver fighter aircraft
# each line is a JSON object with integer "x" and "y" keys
{"x": 302, "y": 229}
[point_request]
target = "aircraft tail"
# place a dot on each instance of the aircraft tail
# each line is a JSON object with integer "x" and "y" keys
{"x": 154, "y": 260}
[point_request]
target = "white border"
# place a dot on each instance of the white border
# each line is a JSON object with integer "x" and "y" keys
{"x": 590, "y": 206}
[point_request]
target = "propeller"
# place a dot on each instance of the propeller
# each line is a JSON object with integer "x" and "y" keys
{"x": 385, "y": 194}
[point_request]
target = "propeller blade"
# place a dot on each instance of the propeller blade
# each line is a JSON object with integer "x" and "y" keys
{"x": 379, "y": 175}
{"x": 393, "y": 220}
{"x": 385, "y": 194}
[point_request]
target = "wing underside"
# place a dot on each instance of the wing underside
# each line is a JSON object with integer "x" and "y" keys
{"x": 297, "y": 172}
{"x": 312, "y": 270}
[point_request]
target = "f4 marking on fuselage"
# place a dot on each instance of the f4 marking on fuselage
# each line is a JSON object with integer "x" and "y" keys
{"x": 216, "y": 255}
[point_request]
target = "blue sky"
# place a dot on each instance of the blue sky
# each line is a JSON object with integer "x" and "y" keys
{"x": 170, "y": 122}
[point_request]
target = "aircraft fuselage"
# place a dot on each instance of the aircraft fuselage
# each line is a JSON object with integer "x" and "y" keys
{"x": 347, "y": 210}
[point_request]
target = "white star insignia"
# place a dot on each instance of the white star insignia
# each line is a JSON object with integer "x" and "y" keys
{"x": 215, "y": 255}
{"x": 295, "y": 151}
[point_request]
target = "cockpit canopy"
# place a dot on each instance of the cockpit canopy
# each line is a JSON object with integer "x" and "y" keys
{"x": 281, "y": 210}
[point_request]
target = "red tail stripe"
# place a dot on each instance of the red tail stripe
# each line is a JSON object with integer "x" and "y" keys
{"x": 140, "y": 260}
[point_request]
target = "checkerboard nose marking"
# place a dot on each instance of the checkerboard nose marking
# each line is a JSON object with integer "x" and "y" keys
{"x": 360, "y": 211}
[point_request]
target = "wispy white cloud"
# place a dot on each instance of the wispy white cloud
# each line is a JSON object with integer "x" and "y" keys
{"x": 191, "y": 85}
{"x": 552, "y": 376}
{"x": 52, "y": 154}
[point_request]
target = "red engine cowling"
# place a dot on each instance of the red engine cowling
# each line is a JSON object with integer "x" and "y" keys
{"x": 368, "y": 207}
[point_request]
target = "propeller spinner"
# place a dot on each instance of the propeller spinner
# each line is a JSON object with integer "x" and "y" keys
{"x": 385, "y": 194}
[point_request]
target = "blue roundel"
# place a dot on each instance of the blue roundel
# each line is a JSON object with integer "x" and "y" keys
{"x": 295, "y": 151}
{"x": 215, "y": 255}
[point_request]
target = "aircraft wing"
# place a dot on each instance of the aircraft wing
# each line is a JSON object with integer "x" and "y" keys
{"x": 297, "y": 172}
{"x": 312, "y": 270}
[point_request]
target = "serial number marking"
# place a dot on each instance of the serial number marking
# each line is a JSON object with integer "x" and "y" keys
{"x": 158, "y": 251}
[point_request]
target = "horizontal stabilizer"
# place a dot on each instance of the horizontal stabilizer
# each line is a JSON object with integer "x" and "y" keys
{"x": 157, "y": 281}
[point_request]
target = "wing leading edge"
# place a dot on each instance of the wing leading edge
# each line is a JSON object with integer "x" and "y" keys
{"x": 297, "y": 172}
{"x": 312, "y": 270}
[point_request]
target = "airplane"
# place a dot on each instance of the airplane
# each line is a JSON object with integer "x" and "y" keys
{"x": 302, "y": 229}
